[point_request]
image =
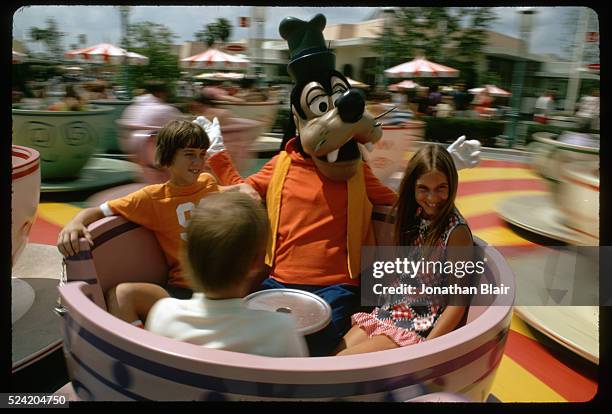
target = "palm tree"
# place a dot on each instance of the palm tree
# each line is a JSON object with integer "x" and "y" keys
{"x": 39, "y": 35}
{"x": 224, "y": 29}
{"x": 50, "y": 36}
{"x": 219, "y": 30}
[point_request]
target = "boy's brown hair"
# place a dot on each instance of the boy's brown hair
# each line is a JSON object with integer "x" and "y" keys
{"x": 175, "y": 135}
{"x": 227, "y": 233}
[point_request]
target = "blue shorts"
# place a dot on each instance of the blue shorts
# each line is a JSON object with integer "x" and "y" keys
{"x": 344, "y": 300}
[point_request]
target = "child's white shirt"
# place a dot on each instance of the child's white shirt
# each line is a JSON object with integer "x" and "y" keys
{"x": 227, "y": 324}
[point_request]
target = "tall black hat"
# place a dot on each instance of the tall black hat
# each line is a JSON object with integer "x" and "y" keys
{"x": 307, "y": 51}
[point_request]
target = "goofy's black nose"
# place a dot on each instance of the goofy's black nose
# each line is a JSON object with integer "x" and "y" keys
{"x": 351, "y": 105}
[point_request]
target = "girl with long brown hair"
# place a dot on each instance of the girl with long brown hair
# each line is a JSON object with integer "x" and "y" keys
{"x": 426, "y": 218}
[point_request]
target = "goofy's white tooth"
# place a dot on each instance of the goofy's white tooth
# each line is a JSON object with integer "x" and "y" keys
{"x": 333, "y": 156}
{"x": 369, "y": 146}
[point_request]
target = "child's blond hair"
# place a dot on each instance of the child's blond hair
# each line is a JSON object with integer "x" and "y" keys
{"x": 226, "y": 235}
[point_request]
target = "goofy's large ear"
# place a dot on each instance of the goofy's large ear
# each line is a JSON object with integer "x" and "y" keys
{"x": 303, "y": 36}
{"x": 308, "y": 53}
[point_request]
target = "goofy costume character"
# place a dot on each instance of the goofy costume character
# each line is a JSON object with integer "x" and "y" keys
{"x": 318, "y": 191}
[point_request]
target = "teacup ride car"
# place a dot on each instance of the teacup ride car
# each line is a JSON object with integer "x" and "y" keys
{"x": 390, "y": 153}
{"x": 66, "y": 141}
{"x": 108, "y": 359}
{"x": 139, "y": 142}
{"x": 548, "y": 152}
{"x": 25, "y": 196}
{"x": 570, "y": 213}
{"x": 264, "y": 112}
{"x": 108, "y": 141}
{"x": 35, "y": 271}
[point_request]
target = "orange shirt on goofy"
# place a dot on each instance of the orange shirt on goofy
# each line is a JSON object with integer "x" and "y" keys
{"x": 313, "y": 235}
{"x": 165, "y": 209}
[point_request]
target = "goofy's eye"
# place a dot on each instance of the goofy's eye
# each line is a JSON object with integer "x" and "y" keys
{"x": 319, "y": 105}
{"x": 338, "y": 92}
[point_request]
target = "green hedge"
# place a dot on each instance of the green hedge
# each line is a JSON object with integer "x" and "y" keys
{"x": 449, "y": 129}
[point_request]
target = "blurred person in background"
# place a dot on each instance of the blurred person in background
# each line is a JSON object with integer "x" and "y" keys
{"x": 250, "y": 92}
{"x": 544, "y": 105}
{"x": 461, "y": 100}
{"x": 435, "y": 97}
{"x": 445, "y": 108}
{"x": 202, "y": 105}
{"x": 71, "y": 101}
{"x": 217, "y": 93}
{"x": 421, "y": 100}
{"x": 482, "y": 102}
{"x": 588, "y": 110}
{"x": 151, "y": 108}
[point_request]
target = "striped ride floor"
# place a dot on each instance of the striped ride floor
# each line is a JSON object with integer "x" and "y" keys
{"x": 533, "y": 368}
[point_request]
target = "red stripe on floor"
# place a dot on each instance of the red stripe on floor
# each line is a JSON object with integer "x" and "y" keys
{"x": 44, "y": 232}
{"x": 503, "y": 164}
{"x": 535, "y": 358}
{"x": 482, "y": 221}
{"x": 492, "y": 186}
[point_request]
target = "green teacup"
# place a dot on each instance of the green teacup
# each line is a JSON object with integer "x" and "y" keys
{"x": 64, "y": 139}
{"x": 108, "y": 141}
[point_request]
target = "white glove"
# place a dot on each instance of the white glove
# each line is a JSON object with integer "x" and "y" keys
{"x": 213, "y": 130}
{"x": 466, "y": 154}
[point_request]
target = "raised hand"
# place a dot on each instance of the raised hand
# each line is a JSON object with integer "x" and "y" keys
{"x": 213, "y": 130}
{"x": 466, "y": 154}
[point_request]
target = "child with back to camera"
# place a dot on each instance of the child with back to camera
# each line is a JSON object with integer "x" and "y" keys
{"x": 425, "y": 215}
{"x": 162, "y": 208}
{"x": 226, "y": 240}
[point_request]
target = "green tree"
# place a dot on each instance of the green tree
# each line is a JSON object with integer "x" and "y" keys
{"x": 154, "y": 41}
{"x": 224, "y": 29}
{"x": 221, "y": 30}
{"x": 50, "y": 36}
{"x": 470, "y": 43}
{"x": 450, "y": 36}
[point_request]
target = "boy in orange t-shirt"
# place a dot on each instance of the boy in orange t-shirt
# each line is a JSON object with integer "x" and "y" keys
{"x": 163, "y": 208}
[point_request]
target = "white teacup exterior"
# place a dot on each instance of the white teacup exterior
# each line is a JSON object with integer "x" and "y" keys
{"x": 550, "y": 154}
{"x": 579, "y": 197}
{"x": 26, "y": 195}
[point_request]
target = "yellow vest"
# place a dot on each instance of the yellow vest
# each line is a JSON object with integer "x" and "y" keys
{"x": 359, "y": 225}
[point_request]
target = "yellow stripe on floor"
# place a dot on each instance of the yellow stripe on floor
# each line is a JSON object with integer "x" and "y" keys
{"x": 518, "y": 325}
{"x": 514, "y": 383}
{"x": 496, "y": 173}
{"x": 57, "y": 213}
{"x": 500, "y": 236}
{"x": 476, "y": 204}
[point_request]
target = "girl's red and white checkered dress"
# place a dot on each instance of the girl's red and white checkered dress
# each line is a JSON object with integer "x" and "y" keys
{"x": 406, "y": 323}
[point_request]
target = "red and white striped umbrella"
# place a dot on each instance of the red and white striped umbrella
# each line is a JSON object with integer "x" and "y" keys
{"x": 406, "y": 84}
{"x": 106, "y": 53}
{"x": 421, "y": 68}
{"x": 492, "y": 90}
{"x": 214, "y": 59}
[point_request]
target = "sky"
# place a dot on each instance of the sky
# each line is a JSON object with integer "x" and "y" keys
{"x": 102, "y": 23}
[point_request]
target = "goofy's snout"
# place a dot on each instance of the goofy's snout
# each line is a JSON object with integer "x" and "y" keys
{"x": 351, "y": 105}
